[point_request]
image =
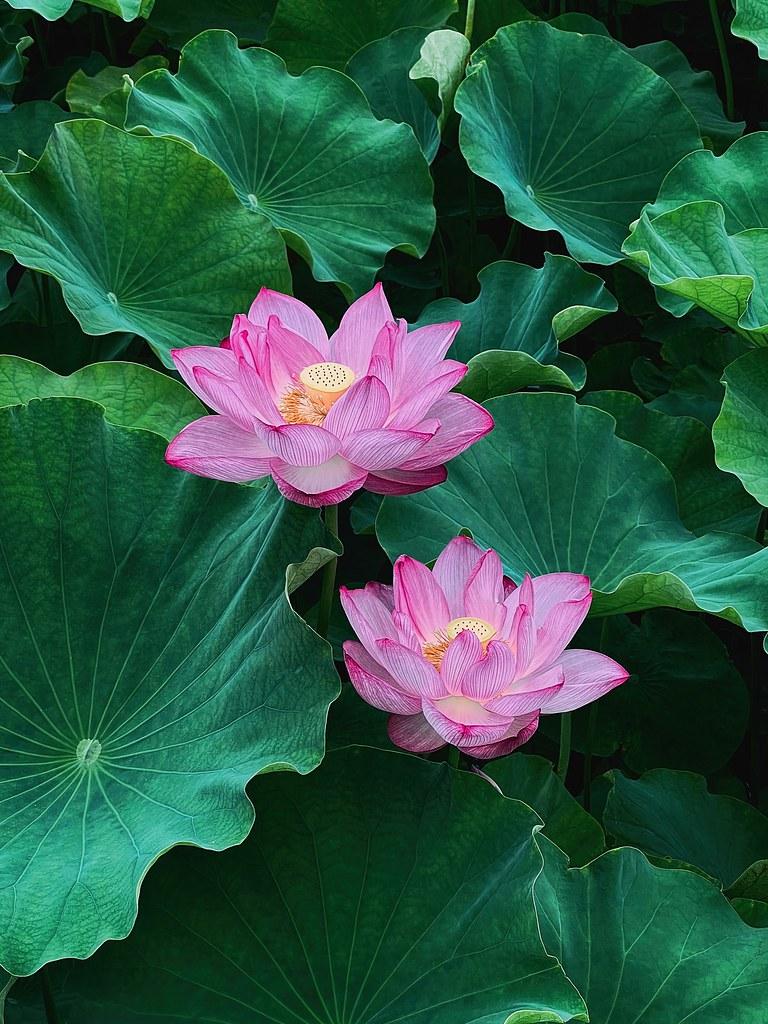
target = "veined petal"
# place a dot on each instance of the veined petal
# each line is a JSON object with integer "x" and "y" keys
{"x": 289, "y": 354}
{"x": 429, "y": 344}
{"x": 299, "y": 444}
{"x": 410, "y": 405}
{"x": 588, "y": 675}
{"x": 383, "y": 448}
{"x": 411, "y": 671}
{"x": 491, "y": 674}
{"x": 296, "y": 316}
{"x": 418, "y": 595}
{"x": 462, "y": 422}
{"x": 369, "y": 615}
{"x": 258, "y": 394}
{"x": 484, "y": 590}
{"x": 529, "y": 694}
{"x": 452, "y": 570}
{"x": 461, "y": 657}
{"x": 327, "y": 484}
{"x": 224, "y": 397}
{"x": 220, "y": 361}
{"x": 374, "y": 684}
{"x": 485, "y": 727}
{"x": 402, "y": 481}
{"x": 521, "y": 730}
{"x": 214, "y": 446}
{"x": 414, "y": 733}
{"x": 353, "y": 342}
{"x": 364, "y": 407}
{"x": 558, "y": 629}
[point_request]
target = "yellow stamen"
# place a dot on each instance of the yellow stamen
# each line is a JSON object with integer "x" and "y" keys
{"x": 435, "y": 651}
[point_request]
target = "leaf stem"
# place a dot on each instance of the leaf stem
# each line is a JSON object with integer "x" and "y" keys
{"x": 51, "y": 1013}
{"x": 108, "y": 38}
{"x": 564, "y": 756}
{"x": 328, "y": 586}
{"x": 724, "y": 62}
{"x": 443, "y": 256}
{"x": 454, "y": 757}
{"x": 469, "y": 24}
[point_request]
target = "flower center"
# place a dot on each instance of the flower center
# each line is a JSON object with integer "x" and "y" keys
{"x": 320, "y": 385}
{"x": 435, "y": 652}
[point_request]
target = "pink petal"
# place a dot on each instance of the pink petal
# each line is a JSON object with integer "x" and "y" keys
{"x": 401, "y": 481}
{"x": 374, "y": 684}
{"x": 412, "y": 404}
{"x": 223, "y": 397}
{"x": 328, "y": 484}
{"x": 418, "y": 595}
{"x": 553, "y": 588}
{"x": 558, "y": 629}
{"x": 289, "y": 354}
{"x": 588, "y": 675}
{"x": 524, "y": 727}
{"x": 257, "y": 393}
{"x": 429, "y": 344}
{"x": 411, "y": 671}
{"x": 452, "y": 570}
{"x": 245, "y": 340}
{"x": 364, "y": 407}
{"x": 213, "y": 446}
{"x": 491, "y": 674}
{"x": 464, "y": 734}
{"x": 414, "y": 733}
{"x": 294, "y": 314}
{"x": 406, "y": 634}
{"x": 300, "y": 444}
{"x": 369, "y": 614}
{"x": 484, "y": 590}
{"x": 218, "y": 360}
{"x": 353, "y": 342}
{"x": 462, "y": 655}
{"x": 383, "y": 448}
{"x": 529, "y": 694}
{"x": 462, "y": 422}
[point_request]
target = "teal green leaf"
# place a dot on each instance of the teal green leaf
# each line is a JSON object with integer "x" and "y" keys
{"x": 752, "y": 883}
{"x": 105, "y": 94}
{"x": 442, "y": 59}
{"x": 753, "y": 912}
{"x": 13, "y": 43}
{"x": 26, "y": 130}
{"x": 343, "y": 187}
{"x": 52, "y": 10}
{"x": 751, "y": 23}
{"x": 708, "y": 500}
{"x": 648, "y": 945}
{"x": 328, "y": 32}
{"x": 152, "y": 666}
{"x": 381, "y": 888}
{"x": 579, "y": 161}
{"x": 531, "y": 779}
{"x": 682, "y": 687}
{"x": 491, "y": 15}
{"x": 153, "y": 241}
{"x": 131, "y": 395}
{"x": 381, "y": 70}
{"x": 510, "y": 334}
{"x": 181, "y": 20}
{"x": 740, "y": 432}
{"x": 671, "y": 814}
{"x": 567, "y": 494}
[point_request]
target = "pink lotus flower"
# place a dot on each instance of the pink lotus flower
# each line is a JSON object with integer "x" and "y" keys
{"x": 461, "y": 655}
{"x": 367, "y": 408}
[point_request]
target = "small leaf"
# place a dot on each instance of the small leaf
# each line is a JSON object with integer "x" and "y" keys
{"x": 740, "y": 432}
{"x": 751, "y": 22}
{"x": 442, "y": 59}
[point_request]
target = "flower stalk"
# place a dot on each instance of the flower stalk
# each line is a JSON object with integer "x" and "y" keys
{"x": 328, "y": 585}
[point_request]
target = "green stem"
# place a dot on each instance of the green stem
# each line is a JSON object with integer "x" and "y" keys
{"x": 328, "y": 587}
{"x": 564, "y": 757}
{"x": 472, "y": 205}
{"x": 454, "y": 756}
{"x": 45, "y": 289}
{"x": 443, "y": 255}
{"x": 724, "y": 62}
{"x": 40, "y": 33}
{"x": 511, "y": 242}
{"x": 108, "y": 37}
{"x": 51, "y": 1013}
{"x": 470, "y": 22}
{"x": 588, "y": 758}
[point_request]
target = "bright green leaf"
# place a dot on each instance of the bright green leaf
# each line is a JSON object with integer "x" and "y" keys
{"x": 105, "y": 94}
{"x": 754, "y": 912}
{"x": 740, "y": 432}
{"x": 564, "y": 493}
{"x": 580, "y": 161}
{"x": 751, "y": 22}
{"x": 342, "y": 186}
{"x": 442, "y": 59}
{"x": 152, "y": 665}
{"x": 52, "y": 10}
{"x": 153, "y": 241}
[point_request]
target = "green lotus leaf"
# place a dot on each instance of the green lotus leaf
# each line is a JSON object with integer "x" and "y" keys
{"x": 52, "y": 10}
{"x": 654, "y": 813}
{"x": 697, "y": 89}
{"x": 650, "y": 945}
{"x": 754, "y": 912}
{"x": 132, "y": 395}
{"x": 751, "y": 23}
{"x": 564, "y": 493}
{"x": 152, "y": 665}
{"x": 740, "y": 432}
{"x": 511, "y": 332}
{"x": 381, "y": 70}
{"x": 579, "y": 161}
{"x": 13, "y": 43}
{"x": 152, "y": 241}
{"x": 181, "y": 20}
{"x": 342, "y": 186}
{"x": 708, "y": 500}
{"x": 752, "y": 883}
{"x": 531, "y": 779}
{"x": 491, "y": 15}
{"x": 440, "y": 68}
{"x": 381, "y": 888}
{"x": 328, "y": 32}
{"x": 25, "y": 130}
{"x": 105, "y": 94}
{"x": 682, "y": 687}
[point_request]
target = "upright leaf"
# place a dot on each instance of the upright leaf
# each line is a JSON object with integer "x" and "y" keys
{"x": 740, "y": 432}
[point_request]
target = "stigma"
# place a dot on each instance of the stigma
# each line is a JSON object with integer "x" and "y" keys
{"x": 319, "y": 386}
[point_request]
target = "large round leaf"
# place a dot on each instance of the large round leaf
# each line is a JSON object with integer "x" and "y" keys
{"x": 181, "y": 20}
{"x": 52, "y": 10}
{"x": 344, "y": 187}
{"x": 740, "y": 432}
{"x": 25, "y": 130}
{"x": 105, "y": 94}
{"x": 151, "y": 241}
{"x": 751, "y": 22}
{"x": 515, "y": 325}
{"x": 152, "y": 664}
{"x": 380, "y": 889}
{"x": 328, "y": 32}
{"x": 647, "y": 945}
{"x": 656, "y": 812}
{"x": 581, "y": 160}
{"x": 552, "y": 488}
